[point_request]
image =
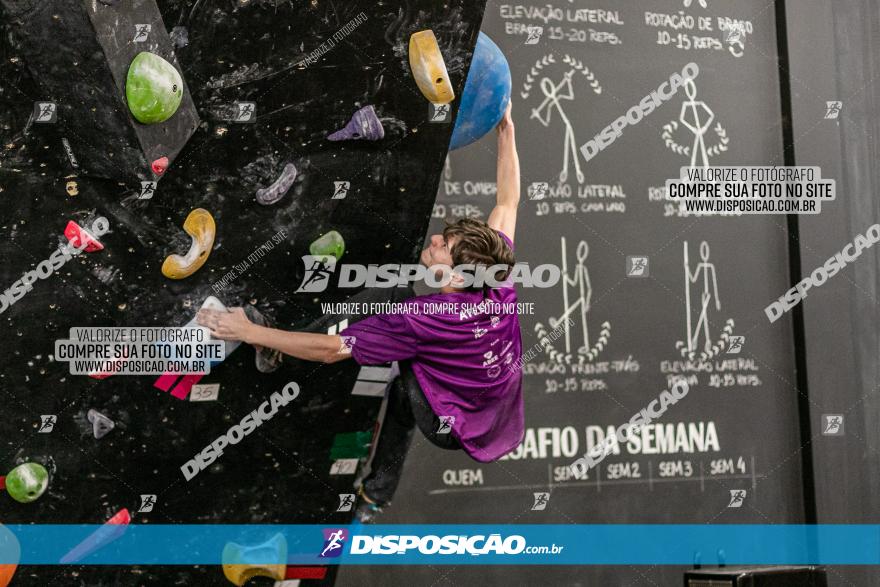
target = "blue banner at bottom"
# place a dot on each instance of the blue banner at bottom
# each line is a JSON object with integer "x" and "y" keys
{"x": 501, "y": 544}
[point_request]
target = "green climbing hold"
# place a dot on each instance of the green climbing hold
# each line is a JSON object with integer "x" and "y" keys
{"x": 27, "y": 482}
{"x": 153, "y": 88}
{"x": 351, "y": 445}
{"x": 331, "y": 244}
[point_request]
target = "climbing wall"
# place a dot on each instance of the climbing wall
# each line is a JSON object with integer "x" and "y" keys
{"x": 304, "y": 68}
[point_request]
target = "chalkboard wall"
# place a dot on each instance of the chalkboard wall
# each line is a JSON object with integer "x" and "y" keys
{"x": 832, "y": 47}
{"x": 706, "y": 280}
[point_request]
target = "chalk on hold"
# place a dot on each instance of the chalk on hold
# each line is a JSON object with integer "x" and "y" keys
{"x": 428, "y": 68}
{"x": 179, "y": 385}
{"x": 267, "y": 360}
{"x": 101, "y": 424}
{"x": 110, "y": 531}
{"x": 78, "y": 236}
{"x": 10, "y": 550}
{"x": 364, "y": 124}
{"x": 179, "y": 36}
{"x": 331, "y": 244}
{"x": 212, "y": 303}
{"x": 27, "y": 482}
{"x": 273, "y": 193}
{"x": 200, "y": 226}
{"x": 269, "y": 559}
{"x": 153, "y": 88}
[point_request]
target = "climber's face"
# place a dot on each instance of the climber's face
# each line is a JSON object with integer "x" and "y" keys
{"x": 438, "y": 251}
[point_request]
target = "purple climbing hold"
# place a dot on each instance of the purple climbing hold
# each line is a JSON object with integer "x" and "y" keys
{"x": 364, "y": 124}
{"x": 273, "y": 193}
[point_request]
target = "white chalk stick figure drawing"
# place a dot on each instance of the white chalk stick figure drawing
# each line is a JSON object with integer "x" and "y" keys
{"x": 575, "y": 307}
{"x": 707, "y": 270}
{"x": 555, "y": 93}
{"x": 687, "y": 3}
{"x": 580, "y": 280}
{"x": 704, "y": 275}
{"x": 694, "y": 123}
{"x": 697, "y": 117}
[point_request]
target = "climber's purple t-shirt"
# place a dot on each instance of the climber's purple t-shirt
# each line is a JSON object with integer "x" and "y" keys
{"x": 464, "y": 361}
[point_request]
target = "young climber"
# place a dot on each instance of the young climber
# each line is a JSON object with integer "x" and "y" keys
{"x": 458, "y": 379}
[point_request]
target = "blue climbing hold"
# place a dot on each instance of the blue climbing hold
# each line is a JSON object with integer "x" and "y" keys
{"x": 485, "y": 96}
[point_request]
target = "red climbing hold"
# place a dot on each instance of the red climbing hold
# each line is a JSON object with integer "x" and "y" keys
{"x": 160, "y": 165}
{"x": 2, "y": 483}
{"x": 122, "y": 517}
{"x": 305, "y": 572}
{"x": 79, "y": 236}
{"x": 107, "y": 533}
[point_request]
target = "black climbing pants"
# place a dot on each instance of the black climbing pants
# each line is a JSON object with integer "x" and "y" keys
{"x": 407, "y": 408}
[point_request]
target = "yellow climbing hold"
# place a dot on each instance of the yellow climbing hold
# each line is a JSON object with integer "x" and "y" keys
{"x": 200, "y": 226}
{"x": 428, "y": 67}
